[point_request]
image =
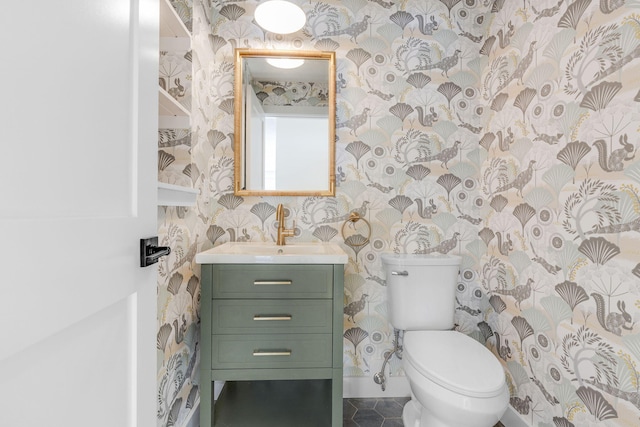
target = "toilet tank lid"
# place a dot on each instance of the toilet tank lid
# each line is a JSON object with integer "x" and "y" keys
{"x": 455, "y": 361}
{"x": 420, "y": 259}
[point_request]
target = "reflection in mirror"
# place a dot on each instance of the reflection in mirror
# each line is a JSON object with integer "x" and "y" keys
{"x": 284, "y": 123}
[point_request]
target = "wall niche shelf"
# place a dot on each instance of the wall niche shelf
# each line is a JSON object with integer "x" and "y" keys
{"x": 176, "y": 195}
{"x": 168, "y": 106}
{"x": 174, "y": 36}
{"x": 170, "y": 23}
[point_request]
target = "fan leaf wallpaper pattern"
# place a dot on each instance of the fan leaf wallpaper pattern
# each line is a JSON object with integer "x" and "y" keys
{"x": 503, "y": 131}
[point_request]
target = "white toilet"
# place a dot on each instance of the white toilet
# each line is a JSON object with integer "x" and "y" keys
{"x": 455, "y": 381}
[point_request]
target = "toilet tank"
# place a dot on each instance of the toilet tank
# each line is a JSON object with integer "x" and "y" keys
{"x": 421, "y": 290}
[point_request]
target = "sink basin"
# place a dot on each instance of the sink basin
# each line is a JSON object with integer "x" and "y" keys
{"x": 270, "y": 253}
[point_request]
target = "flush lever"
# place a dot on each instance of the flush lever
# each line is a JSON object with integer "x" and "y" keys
{"x": 150, "y": 252}
{"x": 399, "y": 273}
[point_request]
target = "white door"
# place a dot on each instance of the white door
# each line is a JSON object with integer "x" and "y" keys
{"x": 255, "y": 141}
{"x": 78, "y": 142}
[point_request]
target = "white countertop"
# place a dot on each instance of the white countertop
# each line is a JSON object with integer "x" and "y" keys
{"x": 270, "y": 253}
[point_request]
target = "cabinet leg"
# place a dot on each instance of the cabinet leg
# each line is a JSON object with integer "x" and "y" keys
{"x": 336, "y": 398}
{"x": 206, "y": 402}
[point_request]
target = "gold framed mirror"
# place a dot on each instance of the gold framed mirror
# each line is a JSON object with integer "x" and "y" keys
{"x": 284, "y": 123}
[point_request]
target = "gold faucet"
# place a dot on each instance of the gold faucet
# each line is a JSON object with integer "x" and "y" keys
{"x": 282, "y": 231}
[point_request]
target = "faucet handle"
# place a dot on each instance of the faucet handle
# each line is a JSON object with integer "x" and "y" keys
{"x": 290, "y": 232}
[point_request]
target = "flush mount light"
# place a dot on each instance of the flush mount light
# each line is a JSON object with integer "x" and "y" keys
{"x": 280, "y": 17}
{"x": 286, "y": 63}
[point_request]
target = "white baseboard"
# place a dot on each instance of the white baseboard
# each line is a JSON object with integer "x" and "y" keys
{"x": 193, "y": 417}
{"x": 217, "y": 389}
{"x": 513, "y": 419}
{"x": 365, "y": 387}
{"x": 358, "y": 387}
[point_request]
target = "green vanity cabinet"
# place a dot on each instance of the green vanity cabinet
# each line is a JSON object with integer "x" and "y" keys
{"x": 273, "y": 333}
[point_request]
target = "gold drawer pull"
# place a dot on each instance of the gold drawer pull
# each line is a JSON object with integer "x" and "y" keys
{"x": 273, "y": 317}
{"x": 272, "y": 352}
{"x": 272, "y": 282}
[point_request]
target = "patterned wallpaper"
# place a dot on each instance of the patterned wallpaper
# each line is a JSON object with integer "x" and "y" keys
{"x": 505, "y": 131}
{"x": 178, "y": 287}
{"x": 308, "y": 94}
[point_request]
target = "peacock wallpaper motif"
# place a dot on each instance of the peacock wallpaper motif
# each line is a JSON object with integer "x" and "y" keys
{"x": 505, "y": 131}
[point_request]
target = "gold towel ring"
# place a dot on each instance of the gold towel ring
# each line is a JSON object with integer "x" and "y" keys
{"x": 353, "y": 218}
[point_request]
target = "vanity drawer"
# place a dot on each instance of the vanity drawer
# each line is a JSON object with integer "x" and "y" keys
{"x": 272, "y": 316}
{"x": 271, "y": 351}
{"x": 272, "y": 281}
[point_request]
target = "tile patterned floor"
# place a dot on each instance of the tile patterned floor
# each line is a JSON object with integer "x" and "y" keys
{"x": 375, "y": 412}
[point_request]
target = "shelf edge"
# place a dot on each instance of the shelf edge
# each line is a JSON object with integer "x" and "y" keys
{"x": 176, "y": 195}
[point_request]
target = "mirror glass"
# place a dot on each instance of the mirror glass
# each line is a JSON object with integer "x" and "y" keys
{"x": 284, "y": 123}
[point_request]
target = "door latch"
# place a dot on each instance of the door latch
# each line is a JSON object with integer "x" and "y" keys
{"x": 150, "y": 252}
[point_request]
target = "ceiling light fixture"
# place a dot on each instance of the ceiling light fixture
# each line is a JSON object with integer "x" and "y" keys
{"x": 280, "y": 17}
{"x": 286, "y": 63}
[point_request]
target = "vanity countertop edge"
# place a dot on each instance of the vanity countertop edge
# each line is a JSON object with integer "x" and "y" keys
{"x": 270, "y": 253}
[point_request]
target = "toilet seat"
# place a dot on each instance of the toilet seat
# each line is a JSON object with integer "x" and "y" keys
{"x": 454, "y": 361}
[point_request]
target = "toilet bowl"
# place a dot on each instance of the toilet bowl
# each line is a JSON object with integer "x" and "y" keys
{"x": 455, "y": 381}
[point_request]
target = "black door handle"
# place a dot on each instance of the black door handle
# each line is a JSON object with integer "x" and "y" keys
{"x": 150, "y": 252}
